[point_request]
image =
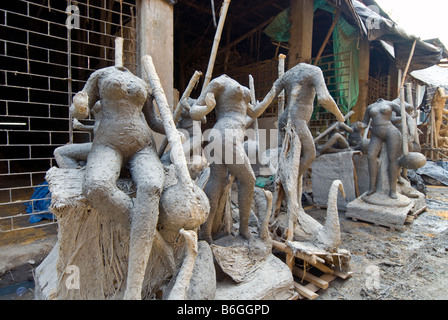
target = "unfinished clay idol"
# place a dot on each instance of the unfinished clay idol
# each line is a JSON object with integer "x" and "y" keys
{"x": 231, "y": 103}
{"x": 123, "y": 137}
{"x": 301, "y": 84}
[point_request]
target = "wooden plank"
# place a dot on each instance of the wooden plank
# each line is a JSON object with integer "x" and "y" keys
{"x": 343, "y": 275}
{"x": 307, "y": 293}
{"x": 325, "y": 277}
{"x": 318, "y": 281}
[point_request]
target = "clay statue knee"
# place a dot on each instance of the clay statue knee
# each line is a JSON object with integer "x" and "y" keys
{"x": 150, "y": 188}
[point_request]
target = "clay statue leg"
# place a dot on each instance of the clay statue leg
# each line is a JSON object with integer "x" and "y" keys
{"x": 308, "y": 153}
{"x": 99, "y": 187}
{"x": 213, "y": 189}
{"x": 68, "y": 156}
{"x": 246, "y": 185}
{"x": 148, "y": 175}
{"x": 372, "y": 158}
{"x": 282, "y": 120}
{"x": 394, "y": 151}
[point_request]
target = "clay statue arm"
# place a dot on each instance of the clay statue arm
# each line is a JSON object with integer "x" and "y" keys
{"x": 396, "y": 108}
{"x": 153, "y": 120}
{"x": 324, "y": 97}
{"x": 395, "y": 119}
{"x": 82, "y": 127}
{"x": 366, "y": 119}
{"x": 276, "y": 89}
{"x": 84, "y": 100}
{"x": 206, "y": 102}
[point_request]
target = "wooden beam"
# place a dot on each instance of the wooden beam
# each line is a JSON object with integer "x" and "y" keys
{"x": 363, "y": 71}
{"x": 155, "y": 31}
{"x": 301, "y": 31}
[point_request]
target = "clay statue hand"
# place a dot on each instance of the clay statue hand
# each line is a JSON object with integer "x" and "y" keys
{"x": 251, "y": 111}
{"x": 197, "y": 113}
{"x": 78, "y": 125}
{"x": 80, "y": 107}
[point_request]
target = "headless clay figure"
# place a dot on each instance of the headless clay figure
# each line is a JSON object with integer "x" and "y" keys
{"x": 123, "y": 137}
{"x": 383, "y": 130}
{"x": 231, "y": 103}
{"x": 301, "y": 84}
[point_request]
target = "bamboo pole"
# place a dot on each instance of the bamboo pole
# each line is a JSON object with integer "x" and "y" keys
{"x": 119, "y": 52}
{"x": 193, "y": 81}
{"x": 404, "y": 126}
{"x": 211, "y": 63}
{"x": 332, "y": 127}
{"x": 281, "y": 72}
{"x": 170, "y": 129}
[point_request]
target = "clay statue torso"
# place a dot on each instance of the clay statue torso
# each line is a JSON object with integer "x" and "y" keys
{"x": 232, "y": 101}
{"x": 380, "y": 113}
{"x": 122, "y": 125}
{"x": 300, "y": 92}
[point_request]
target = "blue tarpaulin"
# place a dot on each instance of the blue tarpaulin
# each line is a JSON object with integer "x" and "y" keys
{"x": 40, "y": 203}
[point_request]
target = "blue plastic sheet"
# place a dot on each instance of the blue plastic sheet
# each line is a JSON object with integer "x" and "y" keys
{"x": 40, "y": 203}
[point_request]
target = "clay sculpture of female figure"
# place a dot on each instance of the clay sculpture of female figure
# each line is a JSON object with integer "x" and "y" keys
{"x": 123, "y": 137}
{"x": 231, "y": 103}
{"x": 383, "y": 130}
{"x": 301, "y": 84}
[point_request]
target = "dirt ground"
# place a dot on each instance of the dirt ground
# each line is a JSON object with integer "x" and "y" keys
{"x": 396, "y": 265}
{"x": 386, "y": 264}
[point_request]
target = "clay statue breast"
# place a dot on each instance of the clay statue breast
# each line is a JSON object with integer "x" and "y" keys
{"x": 123, "y": 85}
{"x": 381, "y": 109}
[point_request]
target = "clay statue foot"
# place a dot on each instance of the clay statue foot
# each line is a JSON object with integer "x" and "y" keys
{"x": 206, "y": 238}
{"x": 393, "y": 195}
{"x": 370, "y": 193}
{"x": 245, "y": 233}
{"x": 402, "y": 180}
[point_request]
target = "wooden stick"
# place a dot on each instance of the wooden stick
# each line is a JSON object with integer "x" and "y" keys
{"x": 298, "y": 272}
{"x": 193, "y": 81}
{"x": 404, "y": 126}
{"x": 211, "y": 63}
{"x": 408, "y": 63}
{"x": 170, "y": 129}
{"x": 119, "y": 52}
{"x": 311, "y": 259}
{"x": 332, "y": 127}
{"x": 330, "y": 31}
{"x": 248, "y": 34}
{"x": 281, "y": 72}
